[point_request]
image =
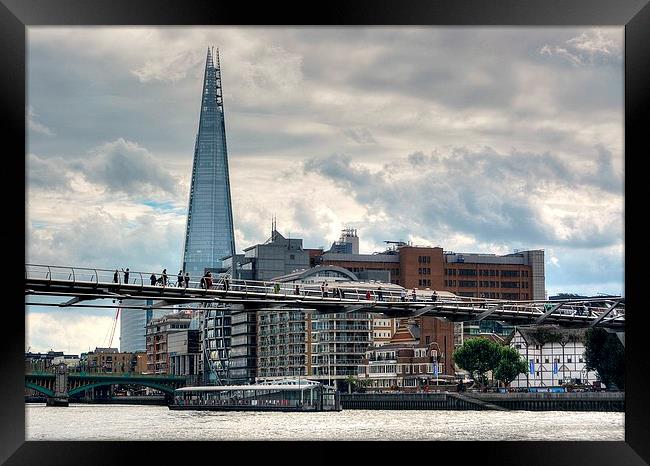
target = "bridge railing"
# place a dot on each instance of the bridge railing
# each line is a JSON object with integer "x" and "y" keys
{"x": 365, "y": 292}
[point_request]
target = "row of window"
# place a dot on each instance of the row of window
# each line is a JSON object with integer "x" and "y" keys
{"x": 486, "y": 272}
{"x": 485, "y": 284}
{"x": 424, "y": 282}
{"x": 424, "y": 259}
{"x": 424, "y": 271}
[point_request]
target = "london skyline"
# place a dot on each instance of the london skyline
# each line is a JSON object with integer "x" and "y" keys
{"x": 325, "y": 139}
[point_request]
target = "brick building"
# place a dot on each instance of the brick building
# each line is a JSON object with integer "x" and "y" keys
{"x": 516, "y": 276}
{"x": 418, "y": 354}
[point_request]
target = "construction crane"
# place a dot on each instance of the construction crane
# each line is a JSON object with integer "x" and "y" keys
{"x": 110, "y": 339}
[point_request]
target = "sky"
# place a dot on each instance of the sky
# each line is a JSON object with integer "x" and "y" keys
{"x": 473, "y": 139}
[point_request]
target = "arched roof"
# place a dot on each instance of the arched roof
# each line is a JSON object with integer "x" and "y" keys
{"x": 325, "y": 271}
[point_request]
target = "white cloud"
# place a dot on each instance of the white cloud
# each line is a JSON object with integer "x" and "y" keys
{"x": 588, "y": 47}
{"x": 68, "y": 330}
{"x": 169, "y": 68}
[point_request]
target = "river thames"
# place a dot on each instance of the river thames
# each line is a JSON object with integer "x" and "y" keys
{"x": 125, "y": 422}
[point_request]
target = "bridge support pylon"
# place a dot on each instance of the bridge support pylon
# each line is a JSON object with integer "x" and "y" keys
{"x": 60, "y": 397}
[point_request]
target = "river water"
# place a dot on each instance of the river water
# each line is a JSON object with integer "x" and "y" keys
{"x": 127, "y": 422}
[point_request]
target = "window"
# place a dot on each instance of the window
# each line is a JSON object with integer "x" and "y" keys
{"x": 568, "y": 359}
{"x": 546, "y": 360}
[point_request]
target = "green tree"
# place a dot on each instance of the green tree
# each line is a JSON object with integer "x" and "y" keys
{"x": 510, "y": 365}
{"x": 478, "y": 356}
{"x": 605, "y": 354}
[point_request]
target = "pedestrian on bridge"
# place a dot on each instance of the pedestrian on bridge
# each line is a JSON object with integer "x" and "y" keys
{"x": 380, "y": 294}
{"x": 226, "y": 283}
{"x": 116, "y": 277}
{"x": 164, "y": 277}
{"x": 368, "y": 296}
{"x": 208, "y": 280}
{"x": 187, "y": 280}
{"x": 434, "y": 296}
{"x": 402, "y": 295}
{"x": 322, "y": 290}
{"x": 276, "y": 288}
{"x": 179, "y": 279}
{"x": 297, "y": 290}
{"x": 126, "y": 275}
{"x": 413, "y": 295}
{"x": 152, "y": 279}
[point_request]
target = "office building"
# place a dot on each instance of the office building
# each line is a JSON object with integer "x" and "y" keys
{"x": 133, "y": 323}
{"x": 209, "y": 235}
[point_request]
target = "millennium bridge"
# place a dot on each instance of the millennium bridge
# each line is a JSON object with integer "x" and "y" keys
{"x": 76, "y": 286}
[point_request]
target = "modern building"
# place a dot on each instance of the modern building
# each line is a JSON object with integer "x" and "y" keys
{"x": 184, "y": 353}
{"x": 214, "y": 323}
{"x": 133, "y": 323}
{"x": 209, "y": 235}
{"x": 276, "y": 257}
{"x": 347, "y": 244}
{"x": 158, "y": 334}
{"x": 243, "y": 346}
{"x": 555, "y": 356}
{"x": 299, "y": 343}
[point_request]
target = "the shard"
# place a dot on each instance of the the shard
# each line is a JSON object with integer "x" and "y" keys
{"x": 209, "y": 234}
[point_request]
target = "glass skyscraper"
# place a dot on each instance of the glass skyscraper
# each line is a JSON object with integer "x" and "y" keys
{"x": 133, "y": 324}
{"x": 209, "y": 234}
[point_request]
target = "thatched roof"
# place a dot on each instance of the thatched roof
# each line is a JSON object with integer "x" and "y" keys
{"x": 543, "y": 334}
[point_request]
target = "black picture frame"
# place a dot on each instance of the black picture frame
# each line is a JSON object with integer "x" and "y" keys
{"x": 16, "y": 15}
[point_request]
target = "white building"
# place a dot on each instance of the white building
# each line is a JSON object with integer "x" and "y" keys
{"x": 70, "y": 360}
{"x": 555, "y": 356}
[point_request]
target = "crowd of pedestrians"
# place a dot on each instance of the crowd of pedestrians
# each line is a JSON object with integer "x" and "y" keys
{"x": 206, "y": 282}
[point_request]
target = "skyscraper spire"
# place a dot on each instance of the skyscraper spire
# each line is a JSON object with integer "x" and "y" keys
{"x": 209, "y": 235}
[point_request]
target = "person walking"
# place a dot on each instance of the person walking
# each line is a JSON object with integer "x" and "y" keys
{"x": 380, "y": 294}
{"x": 179, "y": 279}
{"x": 434, "y": 297}
{"x": 116, "y": 277}
{"x": 402, "y": 295}
{"x": 342, "y": 293}
{"x": 413, "y": 295}
{"x": 297, "y": 290}
{"x": 368, "y": 297}
{"x": 276, "y": 288}
{"x": 226, "y": 283}
{"x": 326, "y": 289}
{"x": 208, "y": 280}
{"x": 164, "y": 277}
{"x": 322, "y": 290}
{"x": 187, "y": 279}
{"x": 126, "y": 275}
{"x": 152, "y": 279}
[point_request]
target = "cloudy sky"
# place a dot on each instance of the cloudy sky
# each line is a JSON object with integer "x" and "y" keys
{"x": 473, "y": 139}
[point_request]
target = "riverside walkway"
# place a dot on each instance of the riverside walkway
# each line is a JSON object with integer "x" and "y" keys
{"x": 76, "y": 285}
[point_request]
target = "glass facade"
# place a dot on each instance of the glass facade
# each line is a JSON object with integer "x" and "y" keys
{"x": 133, "y": 323}
{"x": 209, "y": 234}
